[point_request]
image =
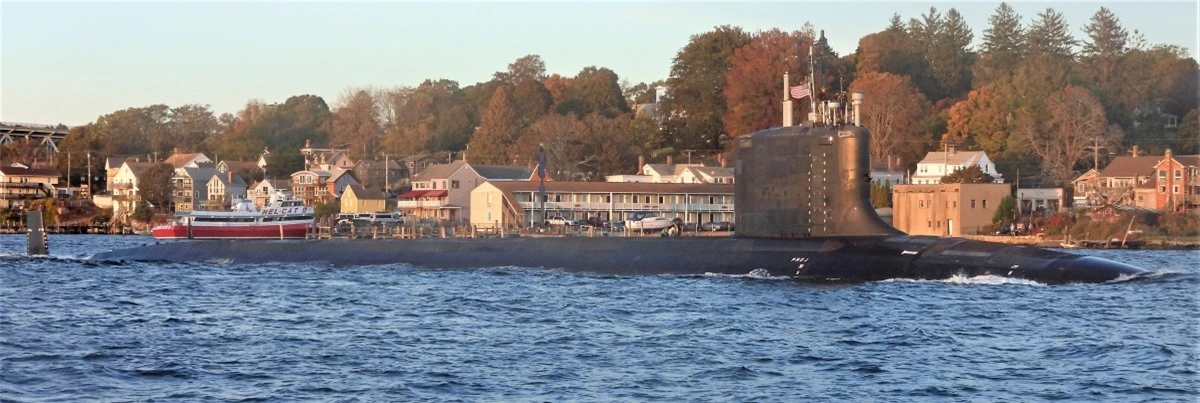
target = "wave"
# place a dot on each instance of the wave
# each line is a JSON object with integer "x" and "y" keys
{"x": 971, "y": 280}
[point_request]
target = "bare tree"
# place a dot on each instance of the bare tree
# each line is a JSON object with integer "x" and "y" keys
{"x": 1075, "y": 124}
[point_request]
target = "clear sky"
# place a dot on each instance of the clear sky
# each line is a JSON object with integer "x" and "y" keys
{"x": 72, "y": 62}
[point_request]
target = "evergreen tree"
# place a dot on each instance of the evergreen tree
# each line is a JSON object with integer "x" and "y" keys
{"x": 1051, "y": 36}
{"x": 497, "y": 132}
{"x": 1003, "y": 46}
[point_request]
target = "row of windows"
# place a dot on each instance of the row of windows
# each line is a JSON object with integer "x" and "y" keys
{"x": 949, "y": 204}
{"x": 252, "y": 219}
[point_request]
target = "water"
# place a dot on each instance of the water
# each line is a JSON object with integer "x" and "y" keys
{"x": 71, "y": 330}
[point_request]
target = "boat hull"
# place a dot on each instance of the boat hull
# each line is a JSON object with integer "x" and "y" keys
{"x": 264, "y": 231}
{"x": 815, "y": 259}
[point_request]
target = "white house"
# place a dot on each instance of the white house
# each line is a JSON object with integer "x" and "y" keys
{"x": 941, "y": 163}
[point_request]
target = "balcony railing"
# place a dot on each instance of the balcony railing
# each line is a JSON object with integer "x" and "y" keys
{"x": 420, "y": 204}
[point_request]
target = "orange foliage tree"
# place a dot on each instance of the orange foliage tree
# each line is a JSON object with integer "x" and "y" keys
{"x": 981, "y": 121}
{"x": 753, "y": 84}
{"x": 893, "y": 110}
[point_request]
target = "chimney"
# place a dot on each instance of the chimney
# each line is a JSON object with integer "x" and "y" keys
{"x": 307, "y": 143}
{"x": 1135, "y": 150}
{"x": 641, "y": 164}
{"x": 669, "y": 160}
{"x": 721, "y": 159}
{"x": 175, "y": 151}
{"x": 1167, "y": 155}
{"x": 889, "y": 162}
{"x": 951, "y": 148}
{"x": 229, "y": 176}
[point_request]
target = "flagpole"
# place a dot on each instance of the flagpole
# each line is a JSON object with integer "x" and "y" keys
{"x": 787, "y": 101}
{"x": 812, "y": 90}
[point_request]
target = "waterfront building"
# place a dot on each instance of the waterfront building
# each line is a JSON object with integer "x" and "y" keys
{"x": 443, "y": 191}
{"x": 357, "y": 199}
{"x": 951, "y": 209}
{"x": 516, "y": 203}
{"x": 19, "y": 183}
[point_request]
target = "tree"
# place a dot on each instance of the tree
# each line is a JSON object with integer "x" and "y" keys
{"x": 594, "y": 90}
{"x": 1104, "y": 51}
{"x": 980, "y": 120}
{"x": 1075, "y": 122}
{"x": 355, "y": 124}
{"x": 155, "y": 187}
{"x": 526, "y": 68}
{"x": 890, "y": 51}
{"x": 950, "y": 56}
{"x": 1006, "y": 212}
{"x": 1050, "y": 36}
{"x": 752, "y": 88}
{"x": 1003, "y": 46}
{"x": 142, "y": 212}
{"x": 970, "y": 174}
{"x": 498, "y": 130}
{"x": 1187, "y": 140}
{"x": 893, "y": 110}
{"x": 695, "y": 100}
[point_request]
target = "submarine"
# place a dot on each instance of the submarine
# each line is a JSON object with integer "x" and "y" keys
{"x": 802, "y": 213}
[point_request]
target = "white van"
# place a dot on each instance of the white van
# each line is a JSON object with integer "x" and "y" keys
{"x": 384, "y": 218}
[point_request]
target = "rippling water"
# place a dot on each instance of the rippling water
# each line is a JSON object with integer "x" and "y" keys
{"x": 71, "y": 330}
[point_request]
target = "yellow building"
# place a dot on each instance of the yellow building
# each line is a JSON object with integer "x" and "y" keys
{"x": 508, "y": 204}
{"x": 948, "y": 209}
{"x": 356, "y": 199}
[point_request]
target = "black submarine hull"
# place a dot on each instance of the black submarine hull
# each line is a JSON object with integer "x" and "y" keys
{"x": 852, "y": 259}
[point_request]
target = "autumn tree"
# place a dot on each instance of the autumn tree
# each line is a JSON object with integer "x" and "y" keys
{"x": 695, "y": 101}
{"x": 355, "y": 124}
{"x": 980, "y": 121}
{"x": 1075, "y": 123}
{"x": 752, "y": 85}
{"x": 893, "y": 109}
{"x": 498, "y": 130}
{"x": 525, "y": 68}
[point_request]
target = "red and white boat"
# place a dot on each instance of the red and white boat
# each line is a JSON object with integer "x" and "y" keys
{"x": 283, "y": 218}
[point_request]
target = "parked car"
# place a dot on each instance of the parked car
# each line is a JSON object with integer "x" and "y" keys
{"x": 598, "y": 222}
{"x": 717, "y": 226}
{"x": 560, "y": 220}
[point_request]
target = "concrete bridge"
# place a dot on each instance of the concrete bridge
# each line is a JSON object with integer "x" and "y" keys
{"x": 46, "y": 135}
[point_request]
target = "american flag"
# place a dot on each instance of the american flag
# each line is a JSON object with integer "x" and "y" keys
{"x": 801, "y": 91}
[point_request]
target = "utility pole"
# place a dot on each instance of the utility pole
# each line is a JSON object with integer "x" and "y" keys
{"x": 68, "y": 170}
{"x": 89, "y": 180}
{"x": 387, "y": 184}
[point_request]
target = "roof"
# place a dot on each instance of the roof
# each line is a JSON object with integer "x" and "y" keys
{"x": 241, "y": 165}
{"x": 712, "y": 171}
{"x": 19, "y": 171}
{"x": 961, "y": 158}
{"x": 1187, "y": 160}
{"x": 139, "y": 167}
{"x": 274, "y": 183}
{"x": 237, "y": 180}
{"x": 439, "y": 171}
{"x": 366, "y": 193}
{"x": 200, "y": 175}
{"x": 1129, "y": 167}
{"x": 503, "y": 172}
{"x": 114, "y": 162}
{"x": 179, "y": 160}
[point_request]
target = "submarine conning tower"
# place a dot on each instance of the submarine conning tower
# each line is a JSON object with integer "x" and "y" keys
{"x": 806, "y": 181}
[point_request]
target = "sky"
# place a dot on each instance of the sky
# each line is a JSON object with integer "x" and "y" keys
{"x": 72, "y": 62}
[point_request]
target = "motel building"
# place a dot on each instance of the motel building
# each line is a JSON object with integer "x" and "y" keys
{"x": 515, "y": 204}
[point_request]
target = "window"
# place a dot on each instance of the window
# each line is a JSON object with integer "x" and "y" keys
{"x": 454, "y": 184}
{"x": 921, "y": 203}
{"x": 1162, "y": 174}
{"x": 1175, "y": 189}
{"x": 956, "y": 204}
{"x": 984, "y": 203}
{"x": 1162, "y": 189}
{"x": 660, "y": 199}
{"x": 489, "y": 201}
{"x": 929, "y": 224}
{"x": 489, "y": 216}
{"x": 972, "y": 203}
{"x": 1178, "y": 174}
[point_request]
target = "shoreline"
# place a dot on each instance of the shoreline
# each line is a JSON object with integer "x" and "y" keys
{"x": 1033, "y": 240}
